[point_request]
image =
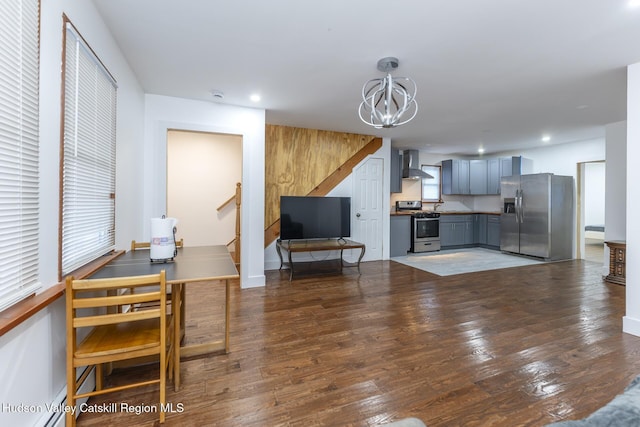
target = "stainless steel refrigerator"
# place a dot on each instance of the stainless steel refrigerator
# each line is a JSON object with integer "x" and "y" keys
{"x": 537, "y": 215}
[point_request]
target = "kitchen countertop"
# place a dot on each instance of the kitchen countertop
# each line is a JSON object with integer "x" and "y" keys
{"x": 401, "y": 213}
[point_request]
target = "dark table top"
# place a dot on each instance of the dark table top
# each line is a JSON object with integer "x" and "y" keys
{"x": 192, "y": 264}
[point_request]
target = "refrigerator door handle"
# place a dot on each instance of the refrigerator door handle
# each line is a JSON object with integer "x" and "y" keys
{"x": 517, "y": 205}
{"x": 521, "y": 208}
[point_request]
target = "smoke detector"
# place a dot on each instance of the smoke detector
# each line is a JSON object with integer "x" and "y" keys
{"x": 217, "y": 94}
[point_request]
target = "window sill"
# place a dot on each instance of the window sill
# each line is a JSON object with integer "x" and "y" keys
{"x": 18, "y": 313}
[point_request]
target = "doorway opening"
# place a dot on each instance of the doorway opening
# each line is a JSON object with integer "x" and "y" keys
{"x": 591, "y": 208}
{"x": 203, "y": 171}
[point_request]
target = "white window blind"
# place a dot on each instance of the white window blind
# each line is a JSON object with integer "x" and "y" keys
{"x": 88, "y": 165}
{"x": 19, "y": 65}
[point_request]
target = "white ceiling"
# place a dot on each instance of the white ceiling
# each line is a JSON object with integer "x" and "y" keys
{"x": 493, "y": 73}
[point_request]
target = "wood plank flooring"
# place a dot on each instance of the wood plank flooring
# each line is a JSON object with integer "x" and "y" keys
{"x": 521, "y": 346}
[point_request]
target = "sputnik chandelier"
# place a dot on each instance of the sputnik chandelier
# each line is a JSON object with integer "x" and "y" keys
{"x": 390, "y": 101}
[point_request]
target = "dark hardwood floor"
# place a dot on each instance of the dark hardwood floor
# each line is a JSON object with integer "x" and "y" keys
{"x": 522, "y": 346}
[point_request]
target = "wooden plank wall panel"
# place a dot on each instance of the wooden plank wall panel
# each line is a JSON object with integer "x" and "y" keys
{"x": 297, "y": 160}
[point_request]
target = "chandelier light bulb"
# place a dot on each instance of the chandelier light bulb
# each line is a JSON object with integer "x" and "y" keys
{"x": 389, "y": 101}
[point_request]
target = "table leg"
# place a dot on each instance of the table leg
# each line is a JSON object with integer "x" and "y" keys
{"x": 278, "y": 250}
{"x": 360, "y": 258}
{"x": 290, "y": 266}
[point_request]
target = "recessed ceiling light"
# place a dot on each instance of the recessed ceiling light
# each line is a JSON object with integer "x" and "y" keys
{"x": 255, "y": 97}
{"x": 634, "y": 3}
{"x": 480, "y": 150}
{"x": 546, "y": 138}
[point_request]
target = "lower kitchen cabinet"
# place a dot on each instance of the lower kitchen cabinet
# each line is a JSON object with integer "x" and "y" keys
{"x": 480, "y": 229}
{"x": 400, "y": 238}
{"x": 493, "y": 230}
{"x": 470, "y": 230}
{"x": 456, "y": 230}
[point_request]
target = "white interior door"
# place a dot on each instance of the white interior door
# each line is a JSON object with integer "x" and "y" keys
{"x": 366, "y": 211}
{"x": 202, "y": 172}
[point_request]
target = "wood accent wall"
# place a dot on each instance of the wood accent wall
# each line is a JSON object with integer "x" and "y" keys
{"x": 298, "y": 161}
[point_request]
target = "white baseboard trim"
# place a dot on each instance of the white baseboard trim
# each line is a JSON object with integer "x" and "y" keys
{"x": 631, "y": 326}
{"x": 57, "y": 419}
{"x": 254, "y": 281}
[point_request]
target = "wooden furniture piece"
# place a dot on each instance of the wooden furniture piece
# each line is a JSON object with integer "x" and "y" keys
{"x": 136, "y": 246}
{"x": 114, "y": 336}
{"x": 146, "y": 245}
{"x": 192, "y": 264}
{"x": 293, "y": 246}
{"x": 617, "y": 262}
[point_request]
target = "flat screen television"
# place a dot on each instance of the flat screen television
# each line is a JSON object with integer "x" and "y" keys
{"x": 306, "y": 217}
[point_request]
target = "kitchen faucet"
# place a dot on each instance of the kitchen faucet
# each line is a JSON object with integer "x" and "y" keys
{"x": 436, "y": 205}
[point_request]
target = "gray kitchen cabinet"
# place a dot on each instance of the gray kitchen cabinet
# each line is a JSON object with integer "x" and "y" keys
{"x": 456, "y": 230}
{"x": 493, "y": 176}
{"x": 480, "y": 229}
{"x": 469, "y": 231}
{"x": 400, "y": 235}
{"x": 478, "y": 176}
{"x": 515, "y": 165}
{"x": 396, "y": 171}
{"x": 493, "y": 230}
{"x": 455, "y": 176}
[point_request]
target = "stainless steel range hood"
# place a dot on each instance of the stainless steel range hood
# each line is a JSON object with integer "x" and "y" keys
{"x": 410, "y": 166}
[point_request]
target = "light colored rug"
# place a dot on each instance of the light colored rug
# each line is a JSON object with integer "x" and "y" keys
{"x": 459, "y": 261}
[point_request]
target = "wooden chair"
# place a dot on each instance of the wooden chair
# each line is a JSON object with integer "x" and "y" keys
{"x": 114, "y": 334}
{"x": 146, "y": 245}
{"x": 179, "y": 244}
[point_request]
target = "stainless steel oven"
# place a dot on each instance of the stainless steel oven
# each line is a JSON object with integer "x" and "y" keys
{"x": 425, "y": 232}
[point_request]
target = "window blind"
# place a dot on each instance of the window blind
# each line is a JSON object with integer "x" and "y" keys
{"x": 88, "y": 165}
{"x": 19, "y": 70}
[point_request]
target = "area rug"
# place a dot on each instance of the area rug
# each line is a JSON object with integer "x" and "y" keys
{"x": 460, "y": 261}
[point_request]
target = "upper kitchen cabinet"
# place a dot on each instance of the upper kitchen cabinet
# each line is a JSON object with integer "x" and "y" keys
{"x": 493, "y": 176}
{"x": 515, "y": 165}
{"x": 481, "y": 176}
{"x": 478, "y": 176}
{"x": 396, "y": 171}
{"x": 455, "y": 177}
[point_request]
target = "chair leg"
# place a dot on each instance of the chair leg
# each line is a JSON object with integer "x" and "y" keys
{"x": 163, "y": 383}
{"x": 99, "y": 376}
{"x": 70, "y": 418}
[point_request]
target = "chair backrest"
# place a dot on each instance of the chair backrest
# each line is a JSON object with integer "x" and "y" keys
{"x": 107, "y": 297}
{"x": 139, "y": 245}
{"x": 146, "y": 245}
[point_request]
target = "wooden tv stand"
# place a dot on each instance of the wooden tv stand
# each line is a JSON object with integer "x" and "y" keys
{"x": 292, "y": 246}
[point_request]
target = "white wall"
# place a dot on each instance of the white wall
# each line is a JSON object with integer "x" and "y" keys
{"x": 163, "y": 113}
{"x": 595, "y": 175}
{"x": 631, "y": 322}
{"x": 203, "y": 169}
{"x": 615, "y": 197}
{"x": 32, "y": 355}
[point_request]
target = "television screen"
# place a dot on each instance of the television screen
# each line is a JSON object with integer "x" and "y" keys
{"x": 314, "y": 217}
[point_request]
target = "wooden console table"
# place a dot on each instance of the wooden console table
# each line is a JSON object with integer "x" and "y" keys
{"x": 292, "y": 246}
{"x": 617, "y": 262}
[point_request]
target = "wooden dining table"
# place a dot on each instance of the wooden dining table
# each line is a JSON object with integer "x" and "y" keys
{"x": 191, "y": 264}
